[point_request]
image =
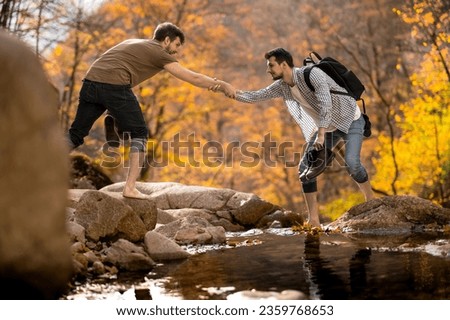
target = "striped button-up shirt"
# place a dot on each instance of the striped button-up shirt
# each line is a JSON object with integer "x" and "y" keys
{"x": 333, "y": 109}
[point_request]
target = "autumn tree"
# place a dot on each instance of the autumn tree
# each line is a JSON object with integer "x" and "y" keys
{"x": 430, "y": 27}
{"x": 423, "y": 147}
{"x": 222, "y": 142}
{"x": 37, "y": 22}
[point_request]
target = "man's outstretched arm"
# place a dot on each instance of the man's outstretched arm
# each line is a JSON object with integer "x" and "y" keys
{"x": 271, "y": 92}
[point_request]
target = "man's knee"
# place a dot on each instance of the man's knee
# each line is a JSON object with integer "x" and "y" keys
{"x": 139, "y": 137}
{"x": 358, "y": 173}
{"x": 138, "y": 145}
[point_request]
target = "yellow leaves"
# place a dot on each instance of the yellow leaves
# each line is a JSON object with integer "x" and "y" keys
{"x": 148, "y": 31}
{"x": 117, "y": 7}
{"x": 308, "y": 229}
{"x": 58, "y": 51}
{"x": 220, "y": 32}
{"x": 428, "y": 18}
{"x": 397, "y": 118}
{"x": 397, "y": 11}
{"x": 195, "y": 19}
{"x": 146, "y": 91}
{"x": 343, "y": 203}
{"x": 445, "y": 38}
{"x": 423, "y": 149}
{"x": 418, "y": 8}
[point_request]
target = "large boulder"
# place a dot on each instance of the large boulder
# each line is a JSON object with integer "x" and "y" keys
{"x": 238, "y": 208}
{"x": 107, "y": 216}
{"x": 35, "y": 260}
{"x": 393, "y": 214}
{"x": 169, "y": 195}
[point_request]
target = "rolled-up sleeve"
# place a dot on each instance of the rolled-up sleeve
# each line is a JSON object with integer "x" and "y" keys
{"x": 270, "y": 92}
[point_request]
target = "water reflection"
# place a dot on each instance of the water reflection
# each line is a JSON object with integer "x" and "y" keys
{"x": 323, "y": 267}
{"x": 325, "y": 282}
{"x": 358, "y": 276}
{"x": 319, "y": 274}
{"x": 375, "y": 273}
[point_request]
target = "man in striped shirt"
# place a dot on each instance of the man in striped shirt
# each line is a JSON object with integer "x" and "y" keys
{"x": 324, "y": 118}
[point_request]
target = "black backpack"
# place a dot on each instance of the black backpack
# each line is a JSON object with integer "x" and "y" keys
{"x": 343, "y": 77}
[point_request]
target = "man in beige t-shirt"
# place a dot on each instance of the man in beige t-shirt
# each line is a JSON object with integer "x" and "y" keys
{"x": 108, "y": 87}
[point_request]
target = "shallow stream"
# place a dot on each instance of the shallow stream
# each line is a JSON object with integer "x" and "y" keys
{"x": 325, "y": 266}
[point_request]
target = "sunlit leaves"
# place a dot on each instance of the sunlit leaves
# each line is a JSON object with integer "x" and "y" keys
{"x": 423, "y": 149}
{"x": 227, "y": 39}
{"x": 429, "y": 20}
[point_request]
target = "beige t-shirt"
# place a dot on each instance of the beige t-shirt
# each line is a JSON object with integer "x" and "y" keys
{"x": 130, "y": 62}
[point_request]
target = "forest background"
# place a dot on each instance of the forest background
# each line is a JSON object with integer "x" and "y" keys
{"x": 400, "y": 50}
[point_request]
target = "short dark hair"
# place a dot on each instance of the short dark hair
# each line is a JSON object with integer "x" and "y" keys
{"x": 281, "y": 55}
{"x": 167, "y": 29}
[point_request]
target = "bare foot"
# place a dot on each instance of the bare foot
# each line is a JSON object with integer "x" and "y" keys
{"x": 134, "y": 194}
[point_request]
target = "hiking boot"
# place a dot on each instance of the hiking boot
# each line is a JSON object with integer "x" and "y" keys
{"x": 318, "y": 161}
{"x": 111, "y": 134}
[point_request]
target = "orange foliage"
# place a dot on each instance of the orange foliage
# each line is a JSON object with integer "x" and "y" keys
{"x": 227, "y": 39}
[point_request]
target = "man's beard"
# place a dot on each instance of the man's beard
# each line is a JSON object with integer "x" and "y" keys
{"x": 274, "y": 77}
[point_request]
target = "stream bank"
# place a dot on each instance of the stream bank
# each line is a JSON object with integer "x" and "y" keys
{"x": 276, "y": 261}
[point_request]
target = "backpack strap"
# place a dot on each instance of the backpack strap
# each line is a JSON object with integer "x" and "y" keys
{"x": 342, "y": 93}
{"x": 364, "y": 105}
{"x": 313, "y": 56}
{"x": 307, "y": 72}
{"x": 307, "y": 80}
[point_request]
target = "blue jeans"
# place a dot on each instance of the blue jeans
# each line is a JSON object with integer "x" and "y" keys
{"x": 119, "y": 100}
{"x": 353, "y": 142}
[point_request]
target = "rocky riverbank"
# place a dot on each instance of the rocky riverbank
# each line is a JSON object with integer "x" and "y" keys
{"x": 280, "y": 263}
{"x": 110, "y": 234}
{"x": 42, "y": 249}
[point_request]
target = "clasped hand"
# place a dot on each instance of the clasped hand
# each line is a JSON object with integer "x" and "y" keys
{"x": 224, "y": 87}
